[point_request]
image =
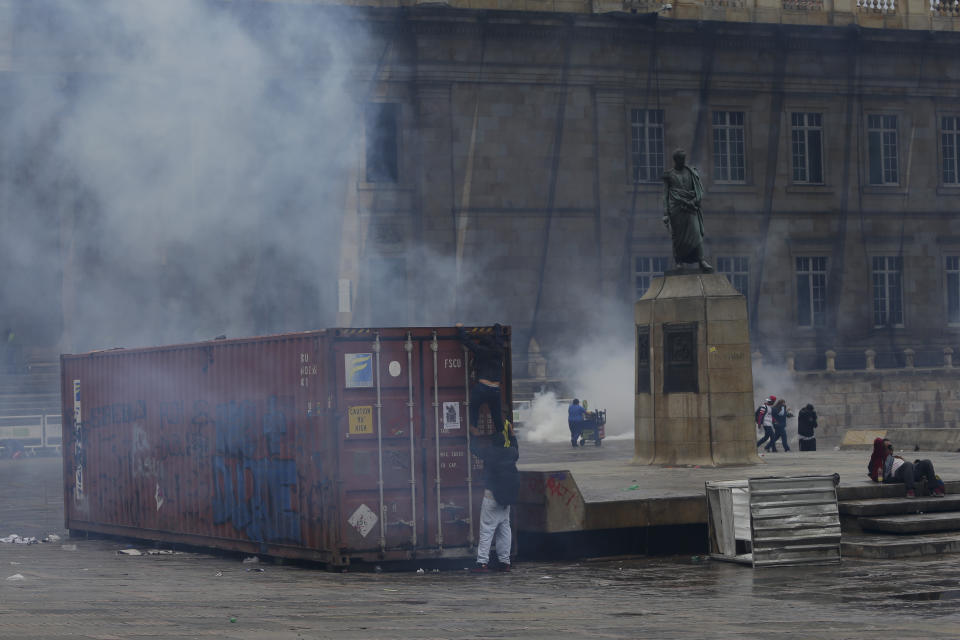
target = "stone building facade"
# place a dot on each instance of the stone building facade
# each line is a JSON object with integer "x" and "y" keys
{"x": 536, "y": 142}
{"x": 512, "y": 153}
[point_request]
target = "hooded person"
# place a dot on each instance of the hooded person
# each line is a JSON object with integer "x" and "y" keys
{"x": 764, "y": 418}
{"x": 806, "y": 428}
{"x": 501, "y": 482}
{"x": 875, "y": 466}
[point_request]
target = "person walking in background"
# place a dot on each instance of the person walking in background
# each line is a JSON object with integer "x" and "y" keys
{"x": 780, "y": 415}
{"x": 501, "y": 481}
{"x": 488, "y": 366}
{"x": 764, "y": 417}
{"x": 575, "y": 414}
{"x": 806, "y": 424}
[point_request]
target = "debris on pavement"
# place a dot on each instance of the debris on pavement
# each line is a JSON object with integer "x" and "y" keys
{"x": 251, "y": 560}
{"x": 16, "y": 577}
{"x": 15, "y": 539}
{"x": 129, "y": 552}
{"x": 68, "y": 547}
{"x": 50, "y": 537}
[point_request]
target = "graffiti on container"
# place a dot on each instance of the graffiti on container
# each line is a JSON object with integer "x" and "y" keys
{"x": 78, "y": 452}
{"x": 142, "y": 459}
{"x": 251, "y": 491}
{"x": 117, "y": 413}
{"x": 171, "y": 412}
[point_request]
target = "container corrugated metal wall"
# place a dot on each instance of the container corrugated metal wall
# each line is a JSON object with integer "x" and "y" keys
{"x": 794, "y": 521}
{"x": 330, "y": 445}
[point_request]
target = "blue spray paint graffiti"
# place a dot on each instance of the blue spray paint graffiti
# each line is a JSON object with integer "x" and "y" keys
{"x": 255, "y": 494}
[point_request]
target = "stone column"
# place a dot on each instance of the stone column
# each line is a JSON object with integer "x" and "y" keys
{"x": 871, "y": 359}
{"x": 694, "y": 383}
{"x": 831, "y": 360}
{"x": 948, "y": 357}
{"x": 791, "y": 361}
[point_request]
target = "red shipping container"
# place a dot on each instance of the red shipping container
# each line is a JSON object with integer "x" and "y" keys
{"x": 335, "y": 446}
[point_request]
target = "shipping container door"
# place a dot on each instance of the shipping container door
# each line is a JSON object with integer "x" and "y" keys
{"x": 454, "y": 476}
{"x": 378, "y": 418}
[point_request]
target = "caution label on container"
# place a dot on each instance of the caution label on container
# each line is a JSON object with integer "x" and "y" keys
{"x": 361, "y": 419}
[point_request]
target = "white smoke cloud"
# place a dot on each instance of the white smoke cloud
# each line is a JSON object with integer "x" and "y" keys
{"x": 189, "y": 159}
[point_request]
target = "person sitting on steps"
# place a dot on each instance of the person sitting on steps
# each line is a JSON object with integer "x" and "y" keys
{"x": 884, "y": 466}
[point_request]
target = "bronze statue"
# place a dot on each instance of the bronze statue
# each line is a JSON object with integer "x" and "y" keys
{"x": 682, "y": 193}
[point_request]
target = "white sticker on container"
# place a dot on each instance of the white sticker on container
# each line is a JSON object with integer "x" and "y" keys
{"x": 394, "y": 368}
{"x": 363, "y": 520}
{"x": 451, "y": 415}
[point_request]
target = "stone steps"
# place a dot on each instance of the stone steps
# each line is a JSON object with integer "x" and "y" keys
{"x": 891, "y": 506}
{"x": 887, "y": 547}
{"x": 879, "y": 522}
{"x": 913, "y": 523}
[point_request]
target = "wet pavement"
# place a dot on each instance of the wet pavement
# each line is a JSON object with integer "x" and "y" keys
{"x": 92, "y": 592}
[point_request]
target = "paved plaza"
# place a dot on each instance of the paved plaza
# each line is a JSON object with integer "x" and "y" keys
{"x": 85, "y": 589}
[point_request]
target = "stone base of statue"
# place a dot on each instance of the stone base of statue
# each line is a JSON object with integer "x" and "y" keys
{"x": 694, "y": 381}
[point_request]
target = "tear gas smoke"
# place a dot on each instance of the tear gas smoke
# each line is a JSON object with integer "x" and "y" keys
{"x": 176, "y": 170}
{"x": 600, "y": 371}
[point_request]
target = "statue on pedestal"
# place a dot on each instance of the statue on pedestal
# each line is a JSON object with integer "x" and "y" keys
{"x": 682, "y": 193}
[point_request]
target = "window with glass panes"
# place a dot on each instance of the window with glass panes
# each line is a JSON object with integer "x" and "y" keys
{"x": 887, "y": 278}
{"x": 882, "y": 147}
{"x": 729, "y": 155}
{"x": 953, "y": 289}
{"x": 807, "y": 147}
{"x": 645, "y": 269}
{"x": 950, "y": 148}
{"x": 737, "y": 270}
{"x": 811, "y": 274}
{"x": 646, "y": 140}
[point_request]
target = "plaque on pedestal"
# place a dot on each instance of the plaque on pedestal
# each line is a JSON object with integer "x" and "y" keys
{"x": 694, "y": 386}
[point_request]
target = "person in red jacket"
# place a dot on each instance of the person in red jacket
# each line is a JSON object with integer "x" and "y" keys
{"x": 880, "y": 453}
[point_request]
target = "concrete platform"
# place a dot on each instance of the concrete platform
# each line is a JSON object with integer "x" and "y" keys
{"x": 566, "y": 489}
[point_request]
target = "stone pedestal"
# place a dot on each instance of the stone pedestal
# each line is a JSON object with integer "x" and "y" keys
{"x": 694, "y": 380}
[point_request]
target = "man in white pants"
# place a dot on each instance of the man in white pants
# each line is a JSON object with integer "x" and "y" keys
{"x": 501, "y": 482}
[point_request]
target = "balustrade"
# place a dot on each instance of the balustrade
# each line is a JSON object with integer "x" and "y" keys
{"x": 945, "y": 7}
{"x": 882, "y": 6}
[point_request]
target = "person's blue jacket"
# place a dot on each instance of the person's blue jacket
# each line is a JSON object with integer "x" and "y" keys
{"x": 575, "y": 412}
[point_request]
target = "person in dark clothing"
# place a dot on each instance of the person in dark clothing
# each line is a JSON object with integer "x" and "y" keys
{"x": 488, "y": 353}
{"x": 806, "y": 424}
{"x": 575, "y": 415}
{"x": 501, "y": 481}
{"x": 780, "y": 415}
{"x": 884, "y": 466}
